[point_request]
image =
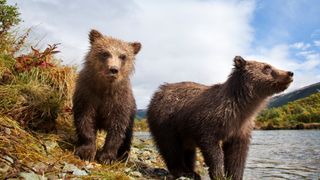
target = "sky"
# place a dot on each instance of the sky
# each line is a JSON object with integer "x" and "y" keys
{"x": 185, "y": 40}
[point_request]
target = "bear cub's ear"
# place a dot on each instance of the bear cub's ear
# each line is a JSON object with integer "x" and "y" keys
{"x": 136, "y": 47}
{"x": 94, "y": 35}
{"x": 239, "y": 62}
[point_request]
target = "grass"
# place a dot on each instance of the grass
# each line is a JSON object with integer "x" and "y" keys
{"x": 44, "y": 153}
{"x": 36, "y": 128}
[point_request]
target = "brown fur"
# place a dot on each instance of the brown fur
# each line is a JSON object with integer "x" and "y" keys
{"x": 103, "y": 98}
{"x": 218, "y": 119}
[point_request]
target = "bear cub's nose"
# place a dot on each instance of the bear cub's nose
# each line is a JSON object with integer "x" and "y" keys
{"x": 114, "y": 70}
{"x": 290, "y": 73}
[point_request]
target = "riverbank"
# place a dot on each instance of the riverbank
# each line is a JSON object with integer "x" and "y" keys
{"x": 142, "y": 125}
{"x": 301, "y": 126}
{"x": 32, "y": 155}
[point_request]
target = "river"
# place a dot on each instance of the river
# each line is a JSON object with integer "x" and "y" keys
{"x": 284, "y": 154}
{"x": 281, "y": 154}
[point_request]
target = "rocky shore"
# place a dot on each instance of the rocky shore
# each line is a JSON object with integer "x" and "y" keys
{"x": 32, "y": 155}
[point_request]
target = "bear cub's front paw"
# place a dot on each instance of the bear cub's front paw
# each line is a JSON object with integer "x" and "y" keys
{"x": 105, "y": 157}
{"x": 86, "y": 152}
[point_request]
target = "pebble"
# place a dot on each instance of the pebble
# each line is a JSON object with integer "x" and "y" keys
{"x": 127, "y": 170}
{"x": 136, "y": 174}
{"x": 31, "y": 176}
{"x": 9, "y": 159}
{"x": 7, "y": 131}
{"x": 51, "y": 145}
{"x": 74, "y": 169}
{"x": 4, "y": 167}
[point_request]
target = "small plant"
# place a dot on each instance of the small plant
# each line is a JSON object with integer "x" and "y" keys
{"x": 36, "y": 59}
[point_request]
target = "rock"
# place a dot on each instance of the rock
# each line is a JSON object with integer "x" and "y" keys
{"x": 133, "y": 156}
{"x": 71, "y": 168}
{"x": 4, "y": 167}
{"x": 31, "y": 176}
{"x": 39, "y": 167}
{"x": 79, "y": 172}
{"x": 126, "y": 170}
{"x": 146, "y": 154}
{"x": 50, "y": 145}
{"x": 9, "y": 159}
{"x": 62, "y": 175}
{"x": 136, "y": 174}
{"x": 148, "y": 162}
{"x": 160, "y": 172}
{"x": 183, "y": 178}
{"x": 52, "y": 177}
{"x": 197, "y": 163}
{"x": 7, "y": 131}
{"x": 89, "y": 165}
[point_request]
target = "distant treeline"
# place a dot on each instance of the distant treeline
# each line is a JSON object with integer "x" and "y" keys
{"x": 292, "y": 115}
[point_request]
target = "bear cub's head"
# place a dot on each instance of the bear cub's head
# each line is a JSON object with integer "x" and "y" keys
{"x": 112, "y": 59}
{"x": 264, "y": 78}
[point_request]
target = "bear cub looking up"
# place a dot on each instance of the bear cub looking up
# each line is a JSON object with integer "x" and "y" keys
{"x": 218, "y": 119}
{"x": 103, "y": 98}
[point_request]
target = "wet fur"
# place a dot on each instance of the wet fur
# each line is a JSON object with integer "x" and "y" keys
{"x": 218, "y": 119}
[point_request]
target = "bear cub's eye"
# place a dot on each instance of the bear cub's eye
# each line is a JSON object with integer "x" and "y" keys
{"x": 123, "y": 57}
{"x": 104, "y": 55}
{"x": 267, "y": 69}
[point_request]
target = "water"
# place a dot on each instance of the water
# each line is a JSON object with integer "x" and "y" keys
{"x": 284, "y": 154}
{"x": 281, "y": 154}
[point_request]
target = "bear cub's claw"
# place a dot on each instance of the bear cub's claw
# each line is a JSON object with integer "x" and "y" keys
{"x": 86, "y": 152}
{"x": 105, "y": 157}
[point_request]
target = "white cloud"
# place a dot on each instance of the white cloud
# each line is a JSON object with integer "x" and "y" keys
{"x": 300, "y": 45}
{"x": 189, "y": 41}
{"x": 182, "y": 41}
{"x": 305, "y": 69}
{"x": 317, "y": 43}
{"x": 277, "y": 56}
{"x": 311, "y": 62}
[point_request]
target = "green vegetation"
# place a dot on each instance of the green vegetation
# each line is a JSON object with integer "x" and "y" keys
{"x": 300, "y": 114}
{"x": 37, "y": 136}
{"x": 9, "y": 16}
{"x": 141, "y": 125}
{"x": 306, "y": 91}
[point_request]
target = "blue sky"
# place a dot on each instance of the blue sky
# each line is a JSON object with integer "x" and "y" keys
{"x": 290, "y": 21}
{"x": 287, "y": 22}
{"x": 186, "y": 40}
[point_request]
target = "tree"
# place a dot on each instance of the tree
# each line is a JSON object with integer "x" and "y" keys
{"x": 9, "y": 17}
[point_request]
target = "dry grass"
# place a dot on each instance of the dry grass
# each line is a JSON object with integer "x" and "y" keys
{"x": 45, "y": 154}
{"x": 36, "y": 130}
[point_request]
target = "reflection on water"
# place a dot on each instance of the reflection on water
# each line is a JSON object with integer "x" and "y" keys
{"x": 284, "y": 154}
{"x": 281, "y": 154}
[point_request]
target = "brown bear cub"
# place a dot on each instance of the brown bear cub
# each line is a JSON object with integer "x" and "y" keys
{"x": 218, "y": 119}
{"x": 103, "y": 98}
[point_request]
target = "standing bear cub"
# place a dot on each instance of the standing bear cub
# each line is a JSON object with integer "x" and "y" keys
{"x": 218, "y": 119}
{"x": 103, "y": 98}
